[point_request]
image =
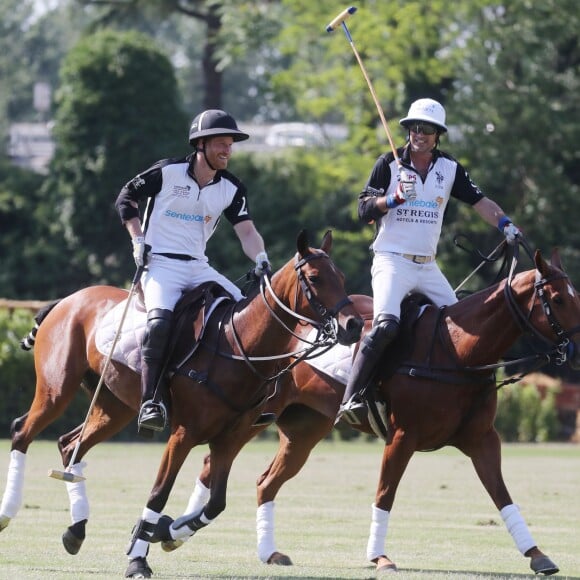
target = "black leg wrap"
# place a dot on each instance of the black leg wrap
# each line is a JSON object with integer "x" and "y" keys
{"x": 142, "y": 531}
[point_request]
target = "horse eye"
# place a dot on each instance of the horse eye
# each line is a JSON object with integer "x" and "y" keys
{"x": 558, "y": 300}
{"x": 314, "y": 279}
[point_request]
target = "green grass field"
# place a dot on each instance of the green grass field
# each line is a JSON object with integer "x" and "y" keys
{"x": 443, "y": 524}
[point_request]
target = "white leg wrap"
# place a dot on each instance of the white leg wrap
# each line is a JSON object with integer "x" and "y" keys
{"x": 184, "y": 532}
{"x": 199, "y": 497}
{"x": 265, "y": 530}
{"x": 141, "y": 547}
{"x": 378, "y": 533}
{"x": 77, "y": 495}
{"x": 12, "y": 498}
{"x": 517, "y": 528}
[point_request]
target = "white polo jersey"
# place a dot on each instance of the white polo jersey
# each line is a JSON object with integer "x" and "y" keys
{"x": 181, "y": 216}
{"x": 414, "y": 227}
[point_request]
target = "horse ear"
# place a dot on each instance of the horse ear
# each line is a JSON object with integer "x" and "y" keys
{"x": 302, "y": 243}
{"x": 555, "y": 259}
{"x": 327, "y": 242}
{"x": 541, "y": 264}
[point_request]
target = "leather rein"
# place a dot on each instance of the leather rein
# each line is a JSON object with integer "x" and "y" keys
{"x": 560, "y": 349}
{"x": 327, "y": 327}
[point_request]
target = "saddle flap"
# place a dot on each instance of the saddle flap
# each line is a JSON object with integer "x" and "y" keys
{"x": 412, "y": 308}
{"x": 192, "y": 313}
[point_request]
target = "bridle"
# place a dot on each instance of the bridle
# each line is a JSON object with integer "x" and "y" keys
{"x": 562, "y": 348}
{"x": 326, "y": 327}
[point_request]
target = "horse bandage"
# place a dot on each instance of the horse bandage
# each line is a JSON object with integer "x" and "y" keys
{"x": 517, "y": 528}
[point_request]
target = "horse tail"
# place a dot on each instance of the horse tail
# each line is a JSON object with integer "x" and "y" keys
{"x": 27, "y": 343}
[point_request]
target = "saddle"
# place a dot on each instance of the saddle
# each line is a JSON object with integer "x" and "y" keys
{"x": 411, "y": 309}
{"x": 191, "y": 315}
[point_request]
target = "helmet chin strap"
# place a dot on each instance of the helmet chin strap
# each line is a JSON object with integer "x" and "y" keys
{"x": 198, "y": 149}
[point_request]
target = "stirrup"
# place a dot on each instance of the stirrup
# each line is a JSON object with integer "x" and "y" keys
{"x": 153, "y": 416}
{"x": 354, "y": 411}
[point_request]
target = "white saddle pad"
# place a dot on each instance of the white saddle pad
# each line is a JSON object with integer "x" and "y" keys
{"x": 335, "y": 362}
{"x": 128, "y": 348}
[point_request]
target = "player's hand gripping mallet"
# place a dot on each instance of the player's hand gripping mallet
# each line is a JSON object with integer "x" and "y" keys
{"x": 67, "y": 475}
{"x": 340, "y": 20}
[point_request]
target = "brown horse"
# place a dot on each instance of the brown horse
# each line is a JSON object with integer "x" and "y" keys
{"x": 250, "y": 340}
{"x": 443, "y": 394}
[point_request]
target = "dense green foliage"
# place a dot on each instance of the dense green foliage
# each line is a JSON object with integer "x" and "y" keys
{"x": 128, "y": 77}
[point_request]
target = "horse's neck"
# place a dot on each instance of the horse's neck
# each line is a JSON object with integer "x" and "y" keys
{"x": 482, "y": 327}
{"x": 264, "y": 330}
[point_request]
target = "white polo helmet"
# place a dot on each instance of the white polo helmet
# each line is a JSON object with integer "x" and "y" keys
{"x": 426, "y": 110}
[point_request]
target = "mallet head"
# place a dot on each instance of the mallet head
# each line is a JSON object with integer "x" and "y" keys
{"x": 65, "y": 476}
{"x": 340, "y": 18}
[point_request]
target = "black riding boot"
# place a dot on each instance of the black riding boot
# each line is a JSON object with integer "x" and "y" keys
{"x": 365, "y": 364}
{"x": 153, "y": 414}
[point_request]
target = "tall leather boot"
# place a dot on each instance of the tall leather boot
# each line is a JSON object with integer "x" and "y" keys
{"x": 365, "y": 365}
{"x": 153, "y": 414}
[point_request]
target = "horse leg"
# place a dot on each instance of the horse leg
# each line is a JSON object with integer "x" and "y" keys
{"x": 207, "y": 500}
{"x": 396, "y": 457}
{"x": 300, "y": 429}
{"x": 147, "y": 529}
{"x": 485, "y": 455}
{"x": 108, "y": 417}
{"x": 50, "y": 401}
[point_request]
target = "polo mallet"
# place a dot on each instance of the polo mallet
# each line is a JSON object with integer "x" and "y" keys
{"x": 340, "y": 20}
{"x": 67, "y": 475}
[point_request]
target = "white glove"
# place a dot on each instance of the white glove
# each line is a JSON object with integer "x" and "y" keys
{"x": 262, "y": 264}
{"x": 511, "y": 232}
{"x": 139, "y": 250}
{"x": 406, "y": 190}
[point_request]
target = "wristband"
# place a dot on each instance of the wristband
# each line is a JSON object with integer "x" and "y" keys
{"x": 394, "y": 201}
{"x": 503, "y": 222}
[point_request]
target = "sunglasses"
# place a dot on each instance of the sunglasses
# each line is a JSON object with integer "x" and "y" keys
{"x": 423, "y": 128}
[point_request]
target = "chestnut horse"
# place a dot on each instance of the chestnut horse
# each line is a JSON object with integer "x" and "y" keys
{"x": 250, "y": 340}
{"x": 443, "y": 394}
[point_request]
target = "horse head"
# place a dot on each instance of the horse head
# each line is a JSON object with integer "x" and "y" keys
{"x": 558, "y": 319}
{"x": 316, "y": 290}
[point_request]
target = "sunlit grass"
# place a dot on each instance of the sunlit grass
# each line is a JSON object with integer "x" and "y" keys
{"x": 443, "y": 524}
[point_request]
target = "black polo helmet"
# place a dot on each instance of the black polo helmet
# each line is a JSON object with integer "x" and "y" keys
{"x": 215, "y": 122}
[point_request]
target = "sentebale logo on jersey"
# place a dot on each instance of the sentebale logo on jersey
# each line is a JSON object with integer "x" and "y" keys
{"x": 187, "y": 217}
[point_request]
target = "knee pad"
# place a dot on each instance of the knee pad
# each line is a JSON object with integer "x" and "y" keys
{"x": 159, "y": 322}
{"x": 384, "y": 331}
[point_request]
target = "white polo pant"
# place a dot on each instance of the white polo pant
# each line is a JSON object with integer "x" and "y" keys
{"x": 393, "y": 277}
{"x": 166, "y": 279}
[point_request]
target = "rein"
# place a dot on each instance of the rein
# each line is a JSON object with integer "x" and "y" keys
{"x": 560, "y": 348}
{"x": 327, "y": 328}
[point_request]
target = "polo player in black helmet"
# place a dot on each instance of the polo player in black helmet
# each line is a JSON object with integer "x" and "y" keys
{"x": 185, "y": 199}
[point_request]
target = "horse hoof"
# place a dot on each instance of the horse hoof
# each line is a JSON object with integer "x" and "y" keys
{"x": 74, "y": 537}
{"x": 543, "y": 565}
{"x": 71, "y": 543}
{"x": 138, "y": 568}
{"x": 278, "y": 559}
{"x": 4, "y": 521}
{"x": 387, "y": 569}
{"x": 171, "y": 545}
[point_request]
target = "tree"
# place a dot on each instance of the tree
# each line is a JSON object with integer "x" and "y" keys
{"x": 219, "y": 50}
{"x": 116, "y": 113}
{"x": 518, "y": 116}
